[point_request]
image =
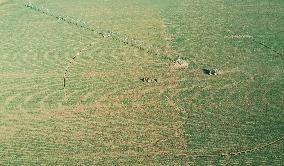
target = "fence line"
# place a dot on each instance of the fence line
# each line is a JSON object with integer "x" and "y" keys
{"x": 104, "y": 34}
{"x": 72, "y": 61}
{"x": 268, "y": 47}
{"x": 122, "y": 38}
{"x": 254, "y": 149}
{"x": 231, "y": 154}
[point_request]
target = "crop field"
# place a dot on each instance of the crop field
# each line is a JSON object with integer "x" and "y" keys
{"x": 91, "y": 82}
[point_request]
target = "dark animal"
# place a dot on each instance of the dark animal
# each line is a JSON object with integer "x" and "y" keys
{"x": 210, "y": 71}
{"x": 148, "y": 80}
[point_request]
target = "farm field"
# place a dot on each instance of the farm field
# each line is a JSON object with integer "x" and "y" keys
{"x": 72, "y": 90}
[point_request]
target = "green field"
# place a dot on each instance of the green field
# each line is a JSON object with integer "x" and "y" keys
{"x": 105, "y": 114}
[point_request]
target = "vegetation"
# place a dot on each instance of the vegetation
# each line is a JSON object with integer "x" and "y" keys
{"x": 74, "y": 95}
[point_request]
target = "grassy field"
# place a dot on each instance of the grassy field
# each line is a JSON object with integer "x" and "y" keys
{"x": 105, "y": 115}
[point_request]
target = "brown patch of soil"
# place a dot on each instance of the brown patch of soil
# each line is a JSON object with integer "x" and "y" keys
{"x": 177, "y": 66}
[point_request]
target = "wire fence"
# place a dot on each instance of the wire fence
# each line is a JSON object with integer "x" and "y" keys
{"x": 122, "y": 38}
{"x": 108, "y": 34}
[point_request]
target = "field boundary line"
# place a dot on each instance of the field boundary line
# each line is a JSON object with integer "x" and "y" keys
{"x": 122, "y": 38}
